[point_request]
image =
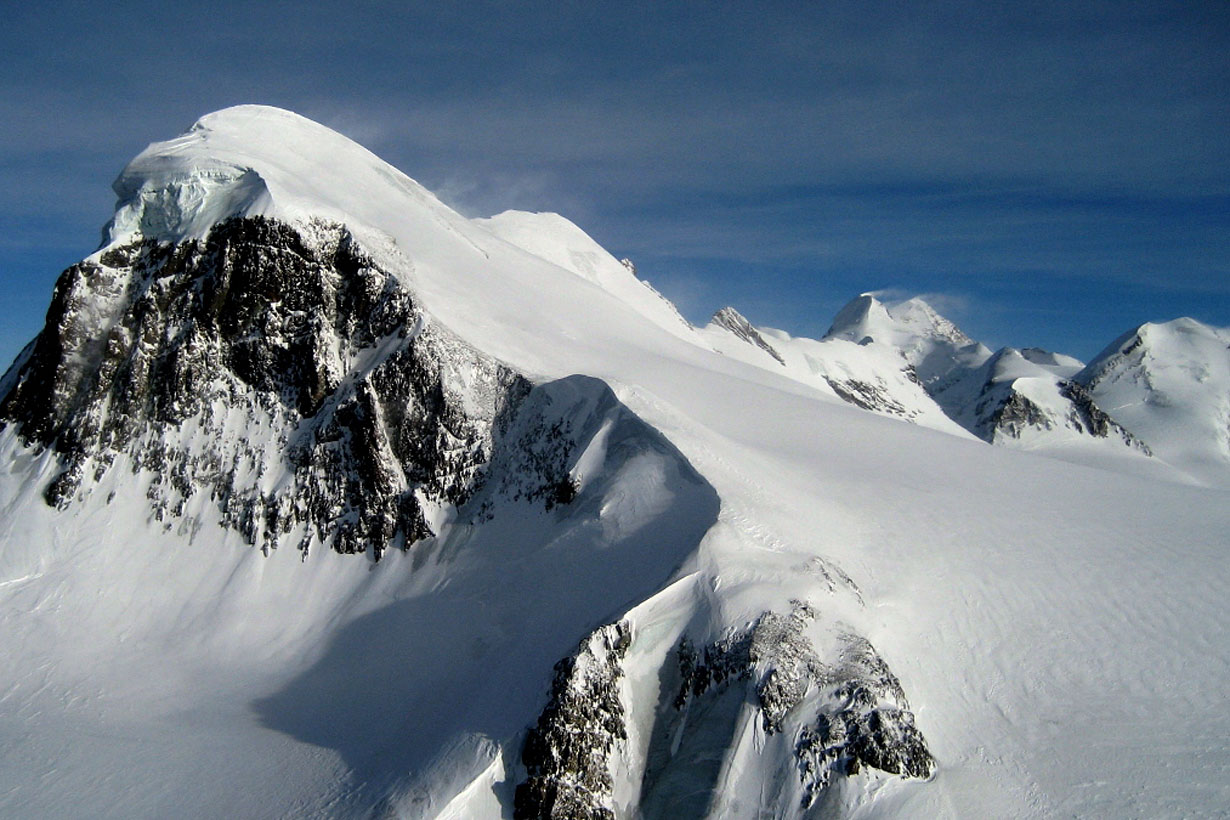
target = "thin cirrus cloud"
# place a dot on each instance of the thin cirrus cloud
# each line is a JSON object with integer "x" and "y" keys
{"x": 791, "y": 154}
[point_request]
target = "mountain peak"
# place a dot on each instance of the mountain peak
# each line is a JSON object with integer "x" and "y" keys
{"x": 1175, "y": 339}
{"x": 257, "y": 160}
{"x": 859, "y": 319}
{"x": 253, "y": 115}
{"x": 730, "y": 318}
{"x": 918, "y": 315}
{"x": 1170, "y": 383}
{"x": 933, "y": 345}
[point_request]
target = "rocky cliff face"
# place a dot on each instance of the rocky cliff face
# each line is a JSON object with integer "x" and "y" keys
{"x": 1085, "y": 416}
{"x": 734, "y": 321}
{"x": 567, "y": 755}
{"x": 829, "y": 713}
{"x": 873, "y": 395}
{"x": 273, "y": 372}
{"x": 1006, "y": 411}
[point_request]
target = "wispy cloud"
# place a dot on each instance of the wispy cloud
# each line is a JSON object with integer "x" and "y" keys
{"x": 957, "y": 145}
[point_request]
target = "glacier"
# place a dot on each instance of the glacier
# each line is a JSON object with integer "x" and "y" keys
{"x": 323, "y": 500}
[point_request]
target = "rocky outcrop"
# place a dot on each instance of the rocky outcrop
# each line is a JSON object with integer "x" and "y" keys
{"x": 732, "y": 320}
{"x": 1004, "y": 412}
{"x": 774, "y": 646}
{"x": 275, "y": 372}
{"x": 866, "y": 722}
{"x": 869, "y": 396}
{"x": 1086, "y": 416}
{"x": 1012, "y": 416}
{"x": 860, "y": 715}
{"x": 567, "y": 755}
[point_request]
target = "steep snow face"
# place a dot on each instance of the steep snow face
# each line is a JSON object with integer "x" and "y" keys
{"x": 254, "y": 160}
{"x": 1170, "y": 384}
{"x": 559, "y": 241}
{"x": 860, "y": 319}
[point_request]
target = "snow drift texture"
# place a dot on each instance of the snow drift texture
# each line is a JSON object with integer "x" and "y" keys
{"x": 322, "y": 500}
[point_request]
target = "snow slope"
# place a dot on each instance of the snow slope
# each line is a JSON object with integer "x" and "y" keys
{"x": 1060, "y": 632}
{"x": 872, "y": 376}
{"x": 1019, "y": 399}
{"x": 1170, "y": 383}
{"x": 555, "y": 239}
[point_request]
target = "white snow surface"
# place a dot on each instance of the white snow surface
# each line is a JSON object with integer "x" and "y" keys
{"x": 557, "y": 240}
{"x": 936, "y": 347}
{"x": 1170, "y": 384}
{"x": 1039, "y": 379}
{"x": 876, "y": 373}
{"x": 1061, "y": 631}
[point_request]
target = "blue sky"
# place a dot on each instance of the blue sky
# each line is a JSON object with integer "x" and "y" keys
{"x": 1051, "y": 174}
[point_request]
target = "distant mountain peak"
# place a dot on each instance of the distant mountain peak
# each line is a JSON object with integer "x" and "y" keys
{"x": 860, "y": 318}
{"x": 866, "y": 315}
{"x": 935, "y": 347}
{"x": 1170, "y": 383}
{"x": 921, "y": 317}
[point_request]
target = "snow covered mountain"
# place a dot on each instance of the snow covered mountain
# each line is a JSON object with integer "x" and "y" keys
{"x": 906, "y": 360}
{"x": 936, "y": 348}
{"x": 1170, "y": 383}
{"x": 555, "y": 239}
{"x": 872, "y": 377}
{"x": 323, "y": 500}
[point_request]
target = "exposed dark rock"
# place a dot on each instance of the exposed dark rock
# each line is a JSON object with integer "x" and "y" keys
{"x": 866, "y": 722}
{"x": 262, "y": 351}
{"x": 871, "y": 397}
{"x": 1015, "y": 414}
{"x": 1003, "y": 411}
{"x": 773, "y": 651}
{"x": 863, "y": 718}
{"x": 567, "y": 755}
{"x": 732, "y": 320}
{"x": 1086, "y": 416}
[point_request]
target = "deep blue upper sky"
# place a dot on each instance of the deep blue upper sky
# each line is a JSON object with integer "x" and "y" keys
{"x": 1051, "y": 173}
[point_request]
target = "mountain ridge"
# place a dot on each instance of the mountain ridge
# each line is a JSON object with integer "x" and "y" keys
{"x": 741, "y": 574}
{"x": 1033, "y": 399}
